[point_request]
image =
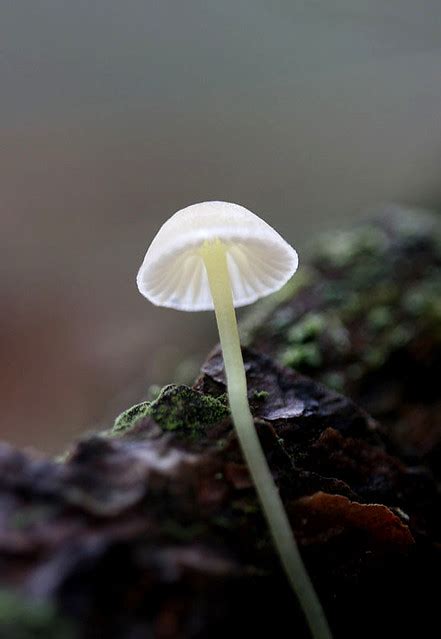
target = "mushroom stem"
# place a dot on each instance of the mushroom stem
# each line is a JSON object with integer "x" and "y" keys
{"x": 215, "y": 259}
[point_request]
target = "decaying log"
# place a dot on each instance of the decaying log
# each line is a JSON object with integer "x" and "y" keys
{"x": 365, "y": 319}
{"x": 152, "y": 529}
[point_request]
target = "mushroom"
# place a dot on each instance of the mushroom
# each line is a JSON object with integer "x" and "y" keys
{"x": 218, "y": 256}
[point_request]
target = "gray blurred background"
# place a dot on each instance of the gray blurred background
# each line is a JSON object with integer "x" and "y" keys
{"x": 115, "y": 114}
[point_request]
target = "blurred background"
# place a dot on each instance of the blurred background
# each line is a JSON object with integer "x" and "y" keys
{"x": 115, "y": 114}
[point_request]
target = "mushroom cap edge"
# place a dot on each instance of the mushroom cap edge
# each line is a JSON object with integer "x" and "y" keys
{"x": 173, "y": 274}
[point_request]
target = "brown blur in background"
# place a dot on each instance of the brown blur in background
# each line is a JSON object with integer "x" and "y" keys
{"x": 115, "y": 114}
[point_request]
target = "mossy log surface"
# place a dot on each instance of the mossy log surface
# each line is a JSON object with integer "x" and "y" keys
{"x": 365, "y": 319}
{"x": 152, "y": 529}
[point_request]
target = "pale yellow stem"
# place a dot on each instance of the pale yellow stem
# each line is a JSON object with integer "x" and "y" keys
{"x": 215, "y": 259}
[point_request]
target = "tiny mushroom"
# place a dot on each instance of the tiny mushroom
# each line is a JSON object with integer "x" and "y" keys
{"x": 218, "y": 256}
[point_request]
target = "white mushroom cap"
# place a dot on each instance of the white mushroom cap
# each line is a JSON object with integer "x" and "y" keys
{"x": 173, "y": 273}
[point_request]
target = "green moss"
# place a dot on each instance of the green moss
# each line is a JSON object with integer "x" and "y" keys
{"x": 314, "y": 332}
{"x": 302, "y": 351}
{"x": 176, "y": 408}
{"x": 309, "y": 327}
{"x": 374, "y": 291}
{"x": 260, "y": 396}
{"x": 181, "y": 407}
{"x": 302, "y": 355}
{"x": 130, "y": 416}
{"x": 22, "y": 618}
